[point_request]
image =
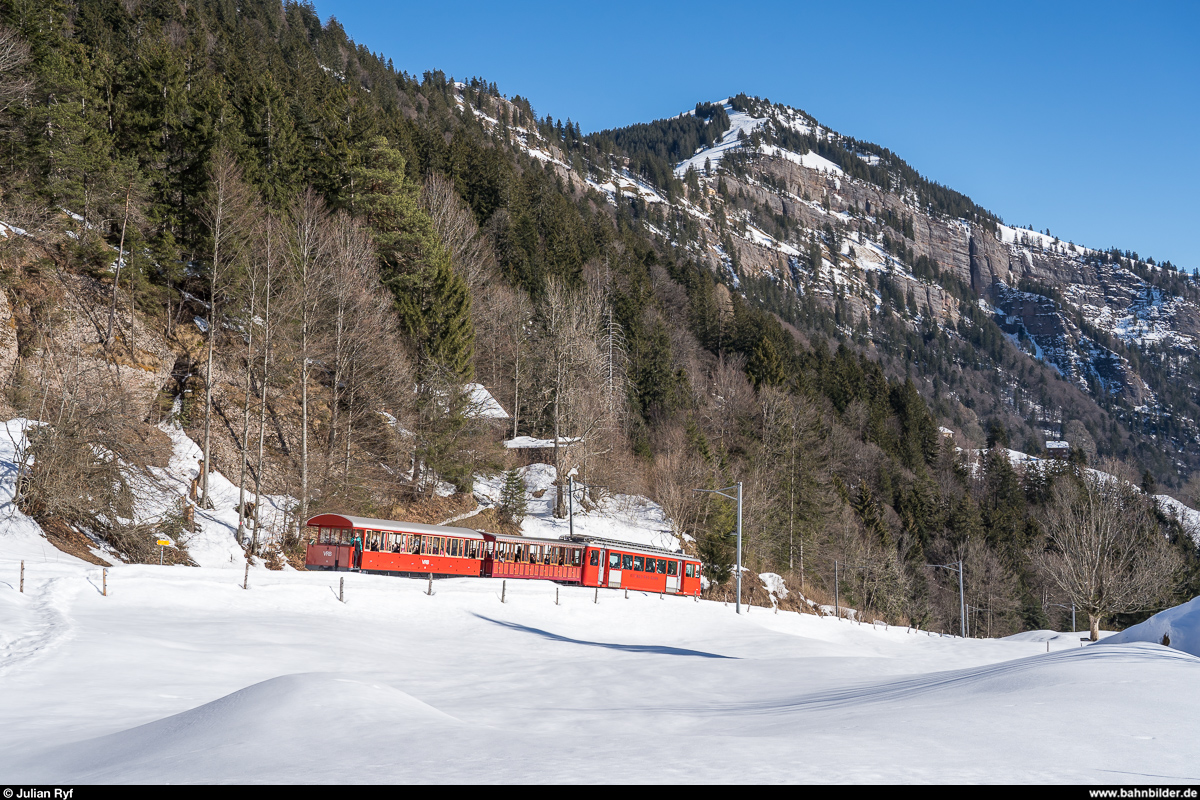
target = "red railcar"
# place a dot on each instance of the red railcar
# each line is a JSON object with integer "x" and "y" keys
{"x": 621, "y": 565}
{"x": 405, "y": 548}
{"x": 524, "y": 557}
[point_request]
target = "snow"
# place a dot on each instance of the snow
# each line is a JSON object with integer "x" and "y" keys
{"x": 626, "y": 518}
{"x": 181, "y": 675}
{"x": 809, "y": 160}
{"x": 5, "y": 228}
{"x": 774, "y": 585}
{"x": 530, "y": 442}
{"x": 481, "y": 404}
{"x": 1181, "y": 624}
{"x": 739, "y": 122}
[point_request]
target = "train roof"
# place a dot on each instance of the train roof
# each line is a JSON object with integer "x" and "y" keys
{"x": 614, "y": 544}
{"x": 367, "y": 523}
{"x": 508, "y": 537}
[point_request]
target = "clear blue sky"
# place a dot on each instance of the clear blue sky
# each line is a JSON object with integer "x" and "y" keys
{"x": 1080, "y": 117}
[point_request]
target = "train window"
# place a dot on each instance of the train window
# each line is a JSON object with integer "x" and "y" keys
{"x": 637, "y": 564}
{"x": 672, "y": 567}
{"x": 690, "y": 572}
{"x": 662, "y": 566}
{"x": 627, "y": 561}
{"x": 414, "y": 543}
{"x": 614, "y": 560}
{"x": 594, "y": 558}
{"x": 454, "y": 547}
{"x": 577, "y": 557}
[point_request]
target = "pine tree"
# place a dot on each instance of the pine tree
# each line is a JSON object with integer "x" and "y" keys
{"x": 432, "y": 300}
{"x": 512, "y": 507}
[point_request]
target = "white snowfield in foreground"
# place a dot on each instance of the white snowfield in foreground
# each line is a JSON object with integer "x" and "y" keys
{"x": 180, "y": 675}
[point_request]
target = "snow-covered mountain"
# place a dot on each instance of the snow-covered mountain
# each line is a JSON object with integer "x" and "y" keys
{"x": 847, "y": 226}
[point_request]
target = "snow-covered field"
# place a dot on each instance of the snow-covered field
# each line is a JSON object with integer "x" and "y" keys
{"x": 181, "y": 675}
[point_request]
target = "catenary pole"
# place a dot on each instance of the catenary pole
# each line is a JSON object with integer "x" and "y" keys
{"x": 571, "y": 505}
{"x": 738, "y": 565}
{"x": 739, "y": 547}
{"x": 962, "y": 604}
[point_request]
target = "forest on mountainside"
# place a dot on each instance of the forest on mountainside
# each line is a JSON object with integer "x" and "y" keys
{"x": 312, "y": 234}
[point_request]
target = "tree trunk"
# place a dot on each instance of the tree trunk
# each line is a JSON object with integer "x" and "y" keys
{"x": 1094, "y": 622}
{"x": 112, "y": 310}
{"x": 304, "y": 418}
{"x": 241, "y": 529}
{"x": 205, "y": 502}
{"x": 262, "y": 409}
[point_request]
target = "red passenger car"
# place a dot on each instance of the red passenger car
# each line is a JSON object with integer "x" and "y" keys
{"x": 341, "y": 542}
{"x": 524, "y": 557}
{"x": 621, "y": 565}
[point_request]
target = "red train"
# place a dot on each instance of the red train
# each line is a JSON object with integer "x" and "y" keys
{"x": 410, "y": 548}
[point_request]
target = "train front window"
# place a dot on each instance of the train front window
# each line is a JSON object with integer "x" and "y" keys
{"x": 627, "y": 561}
{"x": 673, "y": 568}
{"x": 690, "y": 571}
{"x": 637, "y": 564}
{"x": 614, "y": 560}
{"x": 594, "y": 558}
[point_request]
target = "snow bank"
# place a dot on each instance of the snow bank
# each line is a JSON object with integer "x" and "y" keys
{"x": 1180, "y": 624}
{"x": 625, "y": 518}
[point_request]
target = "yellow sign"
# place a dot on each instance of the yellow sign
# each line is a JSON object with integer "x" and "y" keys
{"x": 164, "y": 542}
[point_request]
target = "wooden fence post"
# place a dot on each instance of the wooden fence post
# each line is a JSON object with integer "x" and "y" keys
{"x": 246, "y": 580}
{"x": 503, "y": 589}
{"x": 429, "y": 591}
{"x": 22, "y": 576}
{"x": 555, "y": 595}
{"x": 596, "y": 599}
{"x": 104, "y": 578}
{"x": 342, "y": 590}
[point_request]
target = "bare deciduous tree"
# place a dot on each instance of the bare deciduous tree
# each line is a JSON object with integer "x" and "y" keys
{"x": 454, "y": 222}
{"x": 1105, "y": 551}
{"x": 306, "y": 251}
{"x": 570, "y": 370}
{"x": 225, "y": 213}
{"x": 14, "y": 54}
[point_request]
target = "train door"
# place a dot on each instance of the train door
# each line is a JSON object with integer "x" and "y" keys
{"x": 614, "y": 570}
{"x": 673, "y": 576}
{"x": 600, "y": 567}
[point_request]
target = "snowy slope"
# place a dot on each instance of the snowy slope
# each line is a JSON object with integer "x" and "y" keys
{"x": 626, "y": 518}
{"x": 1180, "y": 624}
{"x": 181, "y": 675}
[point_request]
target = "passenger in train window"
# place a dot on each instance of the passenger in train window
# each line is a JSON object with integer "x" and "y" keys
{"x": 594, "y": 558}
{"x": 637, "y": 564}
{"x": 673, "y": 568}
{"x": 614, "y": 560}
{"x": 690, "y": 572}
{"x": 626, "y": 561}
{"x": 662, "y": 566}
